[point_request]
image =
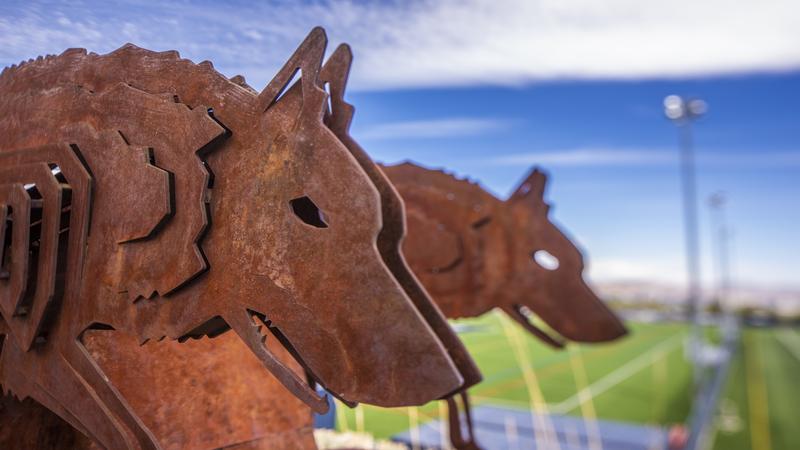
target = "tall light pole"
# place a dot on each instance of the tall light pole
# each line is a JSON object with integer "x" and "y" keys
{"x": 716, "y": 204}
{"x": 683, "y": 112}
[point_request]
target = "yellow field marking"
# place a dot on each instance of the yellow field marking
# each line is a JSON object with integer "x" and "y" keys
{"x": 359, "y": 413}
{"x": 443, "y": 426}
{"x": 587, "y": 405}
{"x": 758, "y": 406}
{"x": 539, "y": 410}
{"x": 341, "y": 416}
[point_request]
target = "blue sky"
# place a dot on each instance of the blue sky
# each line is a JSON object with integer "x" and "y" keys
{"x": 613, "y": 161}
{"x": 488, "y": 89}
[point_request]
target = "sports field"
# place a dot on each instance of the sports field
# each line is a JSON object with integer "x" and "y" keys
{"x": 642, "y": 378}
{"x": 760, "y": 408}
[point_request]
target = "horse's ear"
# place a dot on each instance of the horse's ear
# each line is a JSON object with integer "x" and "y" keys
{"x": 308, "y": 59}
{"x": 334, "y": 73}
{"x": 532, "y": 187}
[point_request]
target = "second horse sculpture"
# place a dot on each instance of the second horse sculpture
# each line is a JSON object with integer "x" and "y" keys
{"x": 475, "y": 252}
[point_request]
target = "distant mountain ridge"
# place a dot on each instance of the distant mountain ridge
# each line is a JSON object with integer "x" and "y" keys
{"x": 783, "y": 300}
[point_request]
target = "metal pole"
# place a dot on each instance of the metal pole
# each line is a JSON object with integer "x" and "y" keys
{"x": 705, "y": 401}
{"x": 689, "y": 184}
{"x": 682, "y": 112}
{"x": 720, "y": 227}
{"x": 716, "y": 205}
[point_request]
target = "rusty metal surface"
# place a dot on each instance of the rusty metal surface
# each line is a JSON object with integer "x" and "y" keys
{"x": 26, "y": 425}
{"x": 338, "y": 117}
{"x": 186, "y": 204}
{"x": 201, "y": 394}
{"x": 474, "y": 252}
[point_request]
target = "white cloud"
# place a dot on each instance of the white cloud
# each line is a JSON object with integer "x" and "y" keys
{"x": 588, "y": 157}
{"x": 647, "y": 157}
{"x": 434, "y": 43}
{"x": 435, "y": 128}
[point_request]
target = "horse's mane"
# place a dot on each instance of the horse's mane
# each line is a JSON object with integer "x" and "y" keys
{"x": 91, "y": 101}
{"x": 412, "y": 179}
{"x": 202, "y": 100}
{"x": 154, "y": 72}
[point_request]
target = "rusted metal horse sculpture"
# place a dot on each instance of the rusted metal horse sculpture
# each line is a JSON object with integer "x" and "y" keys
{"x": 146, "y": 194}
{"x": 474, "y": 252}
{"x": 199, "y": 394}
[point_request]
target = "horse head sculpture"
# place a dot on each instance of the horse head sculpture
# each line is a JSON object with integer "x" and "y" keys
{"x": 163, "y": 200}
{"x": 547, "y": 278}
{"x": 475, "y": 252}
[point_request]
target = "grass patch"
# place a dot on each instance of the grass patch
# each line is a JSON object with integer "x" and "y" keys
{"x": 762, "y": 396}
{"x": 653, "y": 387}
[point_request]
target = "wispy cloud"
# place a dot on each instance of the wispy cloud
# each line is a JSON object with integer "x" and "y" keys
{"x": 588, "y": 157}
{"x": 435, "y": 128}
{"x": 431, "y": 43}
{"x": 647, "y": 157}
{"x": 636, "y": 269}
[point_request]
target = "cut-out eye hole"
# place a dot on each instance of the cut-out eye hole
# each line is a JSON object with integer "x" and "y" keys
{"x": 545, "y": 259}
{"x": 308, "y": 212}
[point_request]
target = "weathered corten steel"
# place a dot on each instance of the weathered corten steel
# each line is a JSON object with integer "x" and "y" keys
{"x": 201, "y": 394}
{"x": 155, "y": 197}
{"x": 474, "y": 252}
{"x": 338, "y": 117}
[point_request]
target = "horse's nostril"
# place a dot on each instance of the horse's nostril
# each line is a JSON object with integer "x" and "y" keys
{"x": 546, "y": 260}
{"x": 308, "y": 212}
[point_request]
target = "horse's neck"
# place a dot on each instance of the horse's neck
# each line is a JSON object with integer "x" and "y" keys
{"x": 214, "y": 392}
{"x": 465, "y": 213}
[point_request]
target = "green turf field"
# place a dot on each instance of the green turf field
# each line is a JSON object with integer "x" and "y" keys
{"x": 642, "y": 378}
{"x": 760, "y": 408}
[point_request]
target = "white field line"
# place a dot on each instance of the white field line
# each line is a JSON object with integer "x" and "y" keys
{"x": 617, "y": 376}
{"x": 791, "y": 341}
